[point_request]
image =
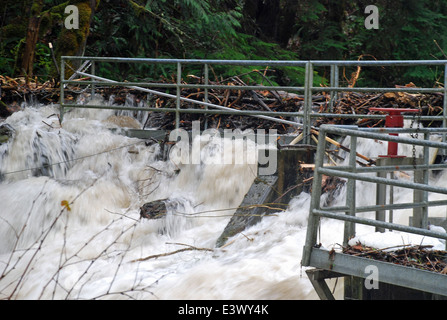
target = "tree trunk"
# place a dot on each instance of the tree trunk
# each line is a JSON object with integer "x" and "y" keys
{"x": 32, "y": 35}
{"x": 72, "y": 42}
{"x": 265, "y": 14}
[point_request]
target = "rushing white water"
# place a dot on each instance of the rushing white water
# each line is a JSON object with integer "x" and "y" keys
{"x": 73, "y": 230}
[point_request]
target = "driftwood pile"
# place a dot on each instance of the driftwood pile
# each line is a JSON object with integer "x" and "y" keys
{"x": 360, "y": 103}
{"x": 420, "y": 257}
{"x": 14, "y": 91}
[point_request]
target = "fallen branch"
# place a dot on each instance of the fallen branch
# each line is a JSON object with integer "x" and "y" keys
{"x": 155, "y": 256}
{"x": 370, "y": 161}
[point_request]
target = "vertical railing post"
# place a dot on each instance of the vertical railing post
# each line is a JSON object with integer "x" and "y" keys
{"x": 307, "y": 102}
{"x": 333, "y": 84}
{"x": 206, "y": 94}
{"x": 314, "y": 220}
{"x": 179, "y": 79}
{"x": 444, "y": 114}
{"x": 381, "y": 189}
{"x": 62, "y": 98}
{"x": 350, "y": 192}
{"x": 425, "y": 178}
{"x": 93, "y": 73}
{"x": 420, "y": 215}
{"x": 391, "y": 212}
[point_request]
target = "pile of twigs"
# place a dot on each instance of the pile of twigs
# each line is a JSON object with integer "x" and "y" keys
{"x": 281, "y": 101}
{"x": 360, "y": 103}
{"x": 236, "y": 99}
{"x": 420, "y": 257}
{"x": 25, "y": 89}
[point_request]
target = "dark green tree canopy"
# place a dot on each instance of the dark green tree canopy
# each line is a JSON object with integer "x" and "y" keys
{"x": 230, "y": 29}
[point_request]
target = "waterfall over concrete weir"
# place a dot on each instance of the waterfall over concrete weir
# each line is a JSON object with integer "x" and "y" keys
{"x": 71, "y": 226}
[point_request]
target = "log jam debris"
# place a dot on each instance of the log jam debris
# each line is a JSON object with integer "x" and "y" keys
{"x": 15, "y": 91}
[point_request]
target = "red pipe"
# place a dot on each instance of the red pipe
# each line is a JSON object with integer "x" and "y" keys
{"x": 394, "y": 119}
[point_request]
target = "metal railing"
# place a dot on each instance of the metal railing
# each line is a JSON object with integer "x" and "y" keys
{"x": 353, "y": 172}
{"x": 308, "y": 89}
{"x": 313, "y": 256}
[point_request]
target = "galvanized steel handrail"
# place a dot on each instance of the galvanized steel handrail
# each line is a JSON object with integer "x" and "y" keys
{"x": 308, "y": 89}
{"x": 320, "y": 63}
{"x": 353, "y": 173}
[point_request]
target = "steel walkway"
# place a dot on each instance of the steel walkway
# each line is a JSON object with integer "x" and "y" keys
{"x": 333, "y": 263}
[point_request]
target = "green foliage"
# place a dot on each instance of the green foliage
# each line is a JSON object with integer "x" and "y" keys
{"x": 243, "y": 29}
{"x": 408, "y": 31}
{"x": 180, "y": 29}
{"x": 43, "y": 60}
{"x": 246, "y": 47}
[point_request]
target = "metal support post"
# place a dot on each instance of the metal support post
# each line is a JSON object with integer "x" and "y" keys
{"x": 420, "y": 215}
{"x": 61, "y": 116}
{"x": 314, "y": 220}
{"x": 206, "y": 93}
{"x": 317, "y": 277}
{"x": 177, "y": 105}
{"x": 350, "y": 193}
{"x": 334, "y": 84}
{"x": 307, "y": 102}
{"x": 93, "y": 69}
{"x": 444, "y": 114}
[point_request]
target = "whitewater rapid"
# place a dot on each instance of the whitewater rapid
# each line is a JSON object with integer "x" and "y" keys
{"x": 73, "y": 230}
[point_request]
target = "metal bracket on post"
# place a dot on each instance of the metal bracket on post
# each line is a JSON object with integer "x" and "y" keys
{"x": 317, "y": 277}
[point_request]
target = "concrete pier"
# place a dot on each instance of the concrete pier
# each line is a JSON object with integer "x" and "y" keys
{"x": 270, "y": 194}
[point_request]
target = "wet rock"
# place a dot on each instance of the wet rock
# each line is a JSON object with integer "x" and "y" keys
{"x": 154, "y": 209}
{"x": 6, "y": 133}
{"x": 4, "y": 110}
{"x": 123, "y": 122}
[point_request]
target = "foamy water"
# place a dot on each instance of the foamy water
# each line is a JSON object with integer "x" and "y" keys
{"x": 73, "y": 230}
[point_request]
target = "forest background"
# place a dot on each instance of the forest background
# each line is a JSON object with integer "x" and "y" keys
{"x": 224, "y": 29}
